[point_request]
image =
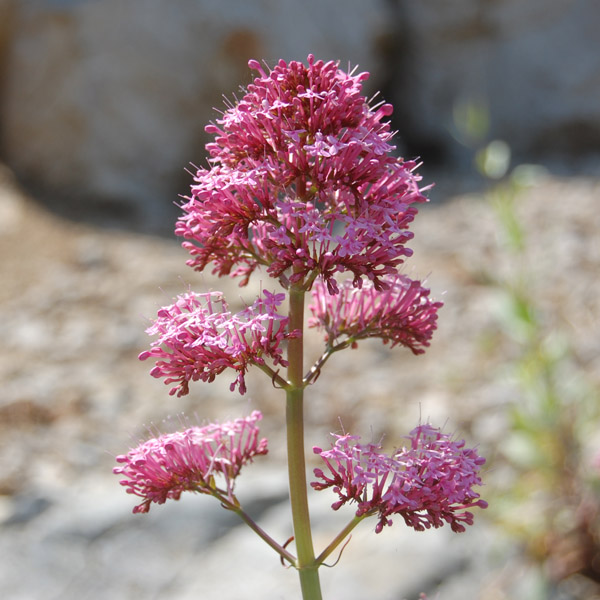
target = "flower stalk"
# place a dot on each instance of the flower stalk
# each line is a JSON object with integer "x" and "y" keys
{"x": 237, "y": 509}
{"x": 306, "y": 564}
{"x": 340, "y": 537}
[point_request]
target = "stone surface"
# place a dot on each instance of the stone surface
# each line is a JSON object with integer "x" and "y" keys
{"x": 103, "y": 103}
{"x": 533, "y": 66}
{"x": 106, "y": 101}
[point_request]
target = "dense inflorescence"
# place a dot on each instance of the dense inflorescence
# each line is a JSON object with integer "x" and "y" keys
{"x": 302, "y": 181}
{"x": 198, "y": 338}
{"x": 402, "y": 313}
{"x": 428, "y": 483}
{"x": 162, "y": 468}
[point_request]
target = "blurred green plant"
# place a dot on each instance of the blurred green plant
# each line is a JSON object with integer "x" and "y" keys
{"x": 548, "y": 497}
{"x": 551, "y": 505}
{"x": 471, "y": 121}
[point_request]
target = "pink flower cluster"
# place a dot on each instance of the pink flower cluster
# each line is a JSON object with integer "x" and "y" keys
{"x": 402, "y": 313}
{"x": 198, "y": 338}
{"x": 302, "y": 181}
{"x": 164, "y": 467}
{"x": 428, "y": 483}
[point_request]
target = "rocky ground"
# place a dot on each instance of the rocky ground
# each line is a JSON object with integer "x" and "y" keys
{"x": 75, "y": 299}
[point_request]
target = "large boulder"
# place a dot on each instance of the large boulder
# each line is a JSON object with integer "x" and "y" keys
{"x": 107, "y": 100}
{"x": 529, "y": 68}
{"x": 104, "y": 102}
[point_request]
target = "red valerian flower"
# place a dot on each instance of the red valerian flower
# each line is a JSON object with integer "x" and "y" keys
{"x": 164, "y": 467}
{"x": 198, "y": 338}
{"x": 428, "y": 483}
{"x": 402, "y": 313}
{"x": 302, "y": 181}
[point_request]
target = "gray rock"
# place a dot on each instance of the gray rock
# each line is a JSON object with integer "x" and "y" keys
{"x": 108, "y": 100}
{"x": 531, "y": 65}
{"x": 25, "y": 508}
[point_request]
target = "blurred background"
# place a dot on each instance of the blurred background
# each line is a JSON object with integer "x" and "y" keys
{"x": 103, "y": 105}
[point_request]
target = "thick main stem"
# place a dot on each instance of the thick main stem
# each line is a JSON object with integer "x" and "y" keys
{"x": 306, "y": 564}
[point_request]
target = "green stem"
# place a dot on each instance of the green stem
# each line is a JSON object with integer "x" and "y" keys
{"x": 274, "y": 375}
{"x": 258, "y": 530}
{"x": 306, "y": 564}
{"x": 340, "y": 537}
{"x": 316, "y": 368}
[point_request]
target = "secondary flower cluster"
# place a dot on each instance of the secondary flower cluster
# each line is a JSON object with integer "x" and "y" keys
{"x": 302, "y": 181}
{"x": 164, "y": 467}
{"x": 198, "y": 338}
{"x": 402, "y": 313}
{"x": 428, "y": 483}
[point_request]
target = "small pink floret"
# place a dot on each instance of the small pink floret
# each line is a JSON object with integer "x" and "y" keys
{"x": 164, "y": 467}
{"x": 428, "y": 483}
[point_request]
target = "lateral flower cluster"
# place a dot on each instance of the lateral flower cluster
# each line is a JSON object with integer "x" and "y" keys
{"x": 164, "y": 467}
{"x": 198, "y": 338}
{"x": 430, "y": 482}
{"x": 401, "y": 313}
{"x": 303, "y": 182}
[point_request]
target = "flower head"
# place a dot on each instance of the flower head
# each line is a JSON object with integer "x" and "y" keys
{"x": 402, "y": 313}
{"x": 428, "y": 483}
{"x": 198, "y": 338}
{"x": 302, "y": 181}
{"x": 164, "y": 467}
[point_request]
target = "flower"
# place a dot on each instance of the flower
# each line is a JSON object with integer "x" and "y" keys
{"x": 302, "y": 181}
{"x": 164, "y": 467}
{"x": 402, "y": 313}
{"x": 198, "y": 338}
{"x": 428, "y": 483}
